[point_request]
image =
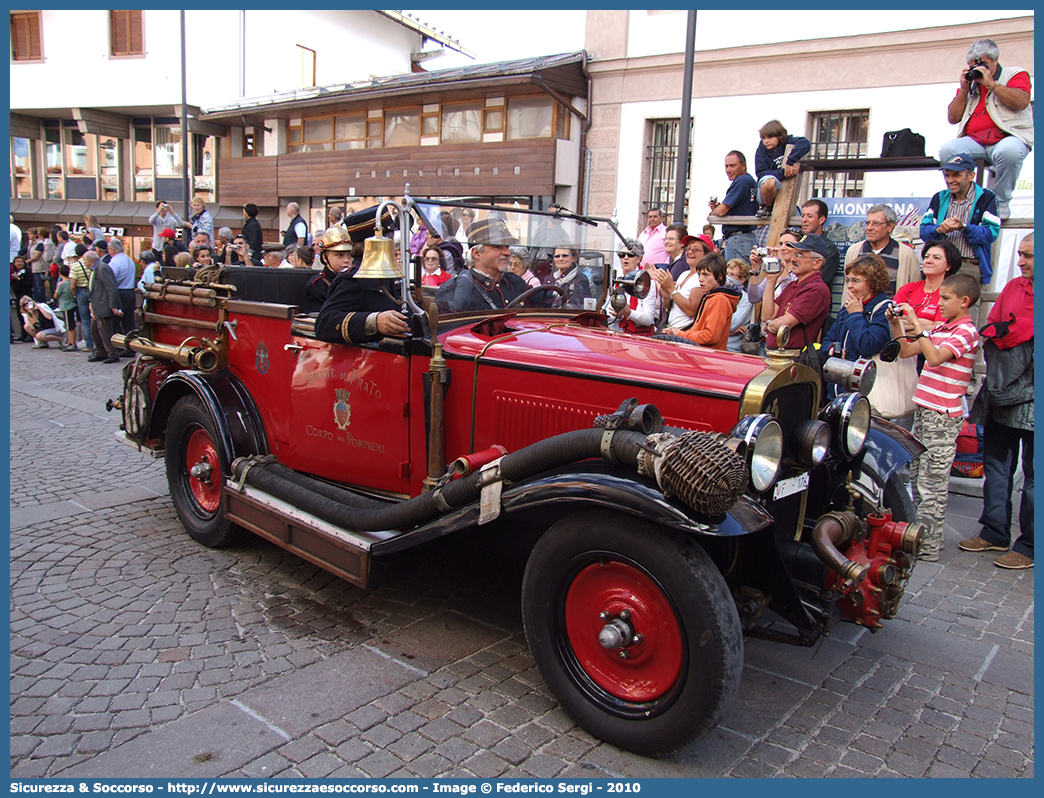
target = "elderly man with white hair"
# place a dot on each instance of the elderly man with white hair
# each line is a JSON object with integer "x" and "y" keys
{"x": 992, "y": 107}
{"x": 901, "y": 261}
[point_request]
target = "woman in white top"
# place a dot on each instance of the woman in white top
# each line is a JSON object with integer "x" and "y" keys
{"x": 685, "y": 293}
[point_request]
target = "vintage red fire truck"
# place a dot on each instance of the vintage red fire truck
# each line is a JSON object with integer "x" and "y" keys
{"x": 673, "y": 498}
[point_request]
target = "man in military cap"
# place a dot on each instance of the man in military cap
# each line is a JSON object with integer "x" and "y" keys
{"x": 487, "y": 283}
{"x": 356, "y": 310}
{"x": 335, "y": 255}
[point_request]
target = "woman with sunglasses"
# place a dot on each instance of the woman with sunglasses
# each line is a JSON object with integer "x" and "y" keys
{"x": 756, "y": 285}
{"x": 638, "y": 316}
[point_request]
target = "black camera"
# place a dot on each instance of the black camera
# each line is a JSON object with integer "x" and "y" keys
{"x": 975, "y": 72}
{"x": 897, "y": 311}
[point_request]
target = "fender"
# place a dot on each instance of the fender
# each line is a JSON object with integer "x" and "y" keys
{"x": 888, "y": 447}
{"x": 589, "y": 486}
{"x": 240, "y": 428}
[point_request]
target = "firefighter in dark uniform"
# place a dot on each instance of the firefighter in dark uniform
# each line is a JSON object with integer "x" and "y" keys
{"x": 356, "y": 310}
{"x": 336, "y": 243}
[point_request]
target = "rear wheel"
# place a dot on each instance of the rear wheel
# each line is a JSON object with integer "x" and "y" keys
{"x": 195, "y": 473}
{"x": 634, "y": 631}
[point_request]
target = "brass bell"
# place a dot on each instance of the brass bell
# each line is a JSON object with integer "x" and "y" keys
{"x": 378, "y": 261}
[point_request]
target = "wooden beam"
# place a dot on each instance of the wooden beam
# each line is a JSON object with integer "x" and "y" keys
{"x": 196, "y": 125}
{"x": 784, "y": 202}
{"x": 25, "y": 127}
{"x": 102, "y": 123}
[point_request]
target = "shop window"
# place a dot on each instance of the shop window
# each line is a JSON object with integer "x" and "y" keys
{"x": 25, "y": 37}
{"x": 143, "y": 174}
{"x": 109, "y": 168}
{"x": 168, "y": 151}
{"x": 530, "y": 117}
{"x": 462, "y": 122}
{"x": 80, "y": 155}
{"x": 204, "y": 154}
{"x": 126, "y": 35}
{"x": 402, "y": 127}
{"x": 53, "y": 159}
{"x": 21, "y": 167}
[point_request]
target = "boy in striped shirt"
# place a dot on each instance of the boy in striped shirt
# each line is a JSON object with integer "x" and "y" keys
{"x": 949, "y": 352}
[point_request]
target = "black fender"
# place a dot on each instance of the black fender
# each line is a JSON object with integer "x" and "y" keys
{"x": 586, "y": 486}
{"x": 240, "y": 428}
{"x": 888, "y": 447}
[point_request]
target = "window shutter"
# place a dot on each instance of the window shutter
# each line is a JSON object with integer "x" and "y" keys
{"x": 126, "y": 33}
{"x": 25, "y": 36}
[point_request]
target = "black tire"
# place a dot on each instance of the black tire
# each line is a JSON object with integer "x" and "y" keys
{"x": 680, "y": 679}
{"x": 897, "y": 499}
{"x": 191, "y": 438}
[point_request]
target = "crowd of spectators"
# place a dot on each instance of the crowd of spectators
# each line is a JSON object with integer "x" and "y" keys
{"x": 76, "y": 290}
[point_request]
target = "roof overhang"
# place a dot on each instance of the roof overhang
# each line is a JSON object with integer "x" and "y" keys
{"x": 562, "y": 76}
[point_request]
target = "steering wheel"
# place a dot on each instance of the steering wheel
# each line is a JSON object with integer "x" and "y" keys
{"x": 514, "y": 303}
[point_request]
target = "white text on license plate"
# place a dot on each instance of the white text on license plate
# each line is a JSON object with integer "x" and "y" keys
{"x": 788, "y": 487}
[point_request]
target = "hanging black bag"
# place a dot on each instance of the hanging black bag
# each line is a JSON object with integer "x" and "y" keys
{"x": 902, "y": 144}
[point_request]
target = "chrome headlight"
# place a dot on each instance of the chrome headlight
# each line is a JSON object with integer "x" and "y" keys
{"x": 849, "y": 420}
{"x": 858, "y": 375}
{"x": 759, "y": 440}
{"x": 812, "y": 441}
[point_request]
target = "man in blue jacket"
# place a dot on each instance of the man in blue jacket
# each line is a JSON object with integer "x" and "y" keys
{"x": 966, "y": 214}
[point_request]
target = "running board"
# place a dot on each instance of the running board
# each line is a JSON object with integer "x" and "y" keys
{"x": 342, "y": 552}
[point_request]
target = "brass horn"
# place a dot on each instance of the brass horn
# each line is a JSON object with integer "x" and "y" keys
{"x": 378, "y": 261}
{"x": 636, "y": 284}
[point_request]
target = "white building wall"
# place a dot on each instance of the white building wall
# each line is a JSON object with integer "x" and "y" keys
{"x": 77, "y": 71}
{"x": 727, "y": 123}
{"x": 658, "y": 32}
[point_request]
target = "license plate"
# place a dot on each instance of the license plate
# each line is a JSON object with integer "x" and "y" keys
{"x": 788, "y": 487}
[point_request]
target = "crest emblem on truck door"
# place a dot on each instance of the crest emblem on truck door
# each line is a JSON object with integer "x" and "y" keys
{"x": 341, "y": 409}
{"x": 261, "y": 357}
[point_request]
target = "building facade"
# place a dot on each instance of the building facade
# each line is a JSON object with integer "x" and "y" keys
{"x": 96, "y": 98}
{"x": 510, "y": 131}
{"x": 843, "y": 93}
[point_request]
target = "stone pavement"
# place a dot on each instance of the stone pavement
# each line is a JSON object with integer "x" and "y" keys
{"x": 136, "y": 652}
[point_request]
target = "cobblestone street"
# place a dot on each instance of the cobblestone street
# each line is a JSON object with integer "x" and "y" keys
{"x": 137, "y": 652}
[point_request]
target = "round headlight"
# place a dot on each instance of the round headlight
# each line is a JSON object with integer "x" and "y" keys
{"x": 762, "y": 448}
{"x": 812, "y": 441}
{"x": 849, "y": 418}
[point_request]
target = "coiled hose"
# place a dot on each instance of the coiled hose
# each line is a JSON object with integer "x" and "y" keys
{"x": 347, "y": 510}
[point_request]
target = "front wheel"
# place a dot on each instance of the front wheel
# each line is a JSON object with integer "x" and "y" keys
{"x": 195, "y": 473}
{"x": 633, "y": 630}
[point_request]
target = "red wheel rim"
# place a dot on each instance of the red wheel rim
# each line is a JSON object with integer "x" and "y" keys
{"x": 653, "y": 665}
{"x": 206, "y": 491}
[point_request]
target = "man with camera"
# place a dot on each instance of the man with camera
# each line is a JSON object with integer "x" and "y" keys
{"x": 992, "y": 107}
{"x": 804, "y": 304}
{"x": 164, "y": 218}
